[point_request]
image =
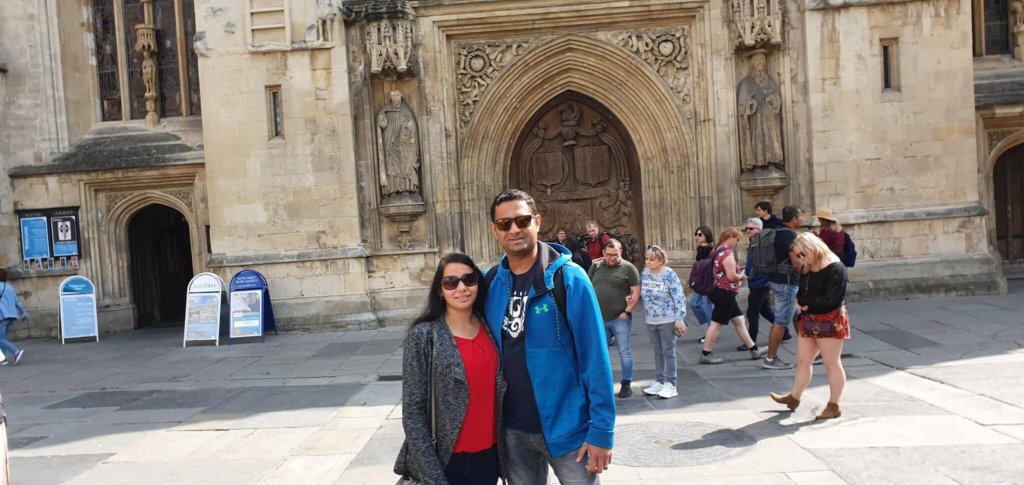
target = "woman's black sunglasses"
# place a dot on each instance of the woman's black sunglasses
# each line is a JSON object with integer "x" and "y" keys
{"x": 452, "y": 282}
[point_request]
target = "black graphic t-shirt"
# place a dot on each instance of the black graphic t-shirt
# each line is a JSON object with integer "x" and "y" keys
{"x": 520, "y": 406}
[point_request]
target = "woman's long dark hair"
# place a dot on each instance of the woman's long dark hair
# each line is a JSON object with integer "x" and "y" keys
{"x": 436, "y": 306}
{"x": 709, "y": 237}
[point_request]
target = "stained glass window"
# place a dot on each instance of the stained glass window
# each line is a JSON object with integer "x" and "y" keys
{"x": 104, "y": 30}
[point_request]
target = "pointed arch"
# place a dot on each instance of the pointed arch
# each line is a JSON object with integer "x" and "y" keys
{"x": 647, "y": 108}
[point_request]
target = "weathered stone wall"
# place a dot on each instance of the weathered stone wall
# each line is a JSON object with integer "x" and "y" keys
{"x": 286, "y": 206}
{"x": 899, "y": 166}
{"x": 32, "y": 125}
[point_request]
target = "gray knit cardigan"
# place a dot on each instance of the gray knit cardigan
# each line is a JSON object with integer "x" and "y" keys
{"x": 418, "y": 458}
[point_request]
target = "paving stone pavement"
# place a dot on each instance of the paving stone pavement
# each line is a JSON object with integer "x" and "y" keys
{"x": 935, "y": 396}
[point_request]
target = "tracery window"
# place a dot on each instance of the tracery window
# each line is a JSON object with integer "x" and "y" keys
{"x": 991, "y": 27}
{"x": 119, "y": 65}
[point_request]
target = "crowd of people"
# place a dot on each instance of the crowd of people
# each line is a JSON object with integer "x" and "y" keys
{"x": 507, "y": 372}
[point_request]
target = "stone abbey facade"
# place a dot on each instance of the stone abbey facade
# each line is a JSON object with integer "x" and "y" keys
{"x": 342, "y": 147}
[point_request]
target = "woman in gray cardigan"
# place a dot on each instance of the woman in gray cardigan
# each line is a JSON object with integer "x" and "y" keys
{"x": 449, "y": 345}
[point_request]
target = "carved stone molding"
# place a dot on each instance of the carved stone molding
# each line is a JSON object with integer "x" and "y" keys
{"x": 996, "y": 136}
{"x": 477, "y": 65}
{"x": 390, "y": 38}
{"x": 145, "y": 44}
{"x": 114, "y": 199}
{"x": 665, "y": 50}
{"x": 756, "y": 23}
{"x": 185, "y": 196}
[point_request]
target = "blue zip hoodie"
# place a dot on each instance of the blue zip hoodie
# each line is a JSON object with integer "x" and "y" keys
{"x": 568, "y": 365}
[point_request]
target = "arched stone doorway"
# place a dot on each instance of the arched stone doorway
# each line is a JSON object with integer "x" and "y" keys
{"x": 1008, "y": 184}
{"x": 160, "y": 265}
{"x": 575, "y": 157}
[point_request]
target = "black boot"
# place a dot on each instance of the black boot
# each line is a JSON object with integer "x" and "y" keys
{"x": 625, "y": 390}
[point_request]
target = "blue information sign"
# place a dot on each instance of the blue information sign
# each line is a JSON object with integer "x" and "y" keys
{"x": 78, "y": 309}
{"x": 251, "y": 310}
{"x": 35, "y": 238}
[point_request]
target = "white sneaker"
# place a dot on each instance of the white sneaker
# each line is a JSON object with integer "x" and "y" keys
{"x": 654, "y": 389}
{"x": 668, "y": 391}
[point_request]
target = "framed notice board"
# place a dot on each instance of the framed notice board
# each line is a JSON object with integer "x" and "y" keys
{"x": 50, "y": 237}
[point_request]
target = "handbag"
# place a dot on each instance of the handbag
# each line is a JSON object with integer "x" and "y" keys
{"x": 406, "y": 479}
{"x": 822, "y": 325}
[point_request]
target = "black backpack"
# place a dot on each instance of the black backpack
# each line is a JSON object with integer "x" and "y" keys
{"x": 762, "y": 252}
{"x": 702, "y": 275}
{"x": 849, "y": 256}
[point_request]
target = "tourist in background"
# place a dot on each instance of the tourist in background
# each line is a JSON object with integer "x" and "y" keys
{"x": 700, "y": 305}
{"x": 763, "y": 211}
{"x": 831, "y": 231}
{"x": 617, "y": 285}
{"x": 759, "y": 299}
{"x": 451, "y": 386}
{"x": 11, "y": 310}
{"x": 824, "y": 322}
{"x": 665, "y": 308}
{"x": 723, "y": 299}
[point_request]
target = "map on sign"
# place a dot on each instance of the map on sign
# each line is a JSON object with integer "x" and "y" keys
{"x": 78, "y": 309}
{"x": 246, "y": 313}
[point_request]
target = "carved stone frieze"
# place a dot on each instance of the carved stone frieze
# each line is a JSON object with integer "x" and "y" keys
{"x": 756, "y": 23}
{"x": 996, "y": 136}
{"x": 667, "y": 51}
{"x": 477, "y": 65}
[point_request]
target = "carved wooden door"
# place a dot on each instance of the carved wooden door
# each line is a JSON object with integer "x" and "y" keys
{"x": 579, "y": 163}
{"x": 1008, "y": 178}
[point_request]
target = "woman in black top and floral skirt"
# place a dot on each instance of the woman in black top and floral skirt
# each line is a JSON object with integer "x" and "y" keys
{"x": 824, "y": 322}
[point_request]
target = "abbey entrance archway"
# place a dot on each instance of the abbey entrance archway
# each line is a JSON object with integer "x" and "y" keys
{"x": 577, "y": 160}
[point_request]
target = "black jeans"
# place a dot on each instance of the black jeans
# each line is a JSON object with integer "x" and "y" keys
{"x": 758, "y": 302}
{"x": 480, "y": 468}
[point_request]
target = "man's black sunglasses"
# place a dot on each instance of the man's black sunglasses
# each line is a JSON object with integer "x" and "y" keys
{"x": 522, "y": 222}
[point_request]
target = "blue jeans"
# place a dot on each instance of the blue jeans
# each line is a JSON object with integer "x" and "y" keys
{"x": 700, "y": 305}
{"x": 526, "y": 461}
{"x": 5, "y": 344}
{"x": 785, "y": 302}
{"x": 621, "y": 329}
{"x": 663, "y": 341}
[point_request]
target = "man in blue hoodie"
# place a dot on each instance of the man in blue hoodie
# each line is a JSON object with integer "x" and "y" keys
{"x": 559, "y": 409}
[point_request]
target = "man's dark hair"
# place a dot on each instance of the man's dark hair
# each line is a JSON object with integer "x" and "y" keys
{"x": 513, "y": 194}
{"x": 790, "y": 212}
{"x": 765, "y": 205}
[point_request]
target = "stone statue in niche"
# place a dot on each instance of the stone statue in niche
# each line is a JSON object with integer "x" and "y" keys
{"x": 398, "y": 147}
{"x": 759, "y": 105}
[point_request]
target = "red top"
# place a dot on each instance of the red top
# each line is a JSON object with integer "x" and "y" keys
{"x": 834, "y": 240}
{"x": 480, "y": 427}
{"x": 595, "y": 247}
{"x": 721, "y": 280}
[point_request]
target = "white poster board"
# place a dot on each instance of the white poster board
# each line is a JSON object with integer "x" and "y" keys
{"x": 246, "y": 313}
{"x": 78, "y": 309}
{"x": 202, "y": 309}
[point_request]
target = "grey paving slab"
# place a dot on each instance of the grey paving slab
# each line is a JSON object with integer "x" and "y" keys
{"x": 181, "y": 398}
{"x": 927, "y": 465}
{"x": 338, "y": 349}
{"x": 195, "y": 473}
{"x": 902, "y": 339}
{"x": 102, "y": 399}
{"x": 281, "y": 398}
{"x": 52, "y": 470}
{"x": 21, "y": 442}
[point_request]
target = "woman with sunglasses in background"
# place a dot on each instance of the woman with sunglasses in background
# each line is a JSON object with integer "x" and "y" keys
{"x": 824, "y": 322}
{"x": 701, "y": 304}
{"x": 451, "y": 384}
{"x": 665, "y": 307}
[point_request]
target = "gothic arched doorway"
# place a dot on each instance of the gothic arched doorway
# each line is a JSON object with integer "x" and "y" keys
{"x": 160, "y": 255}
{"x": 1008, "y": 181}
{"x": 577, "y": 160}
